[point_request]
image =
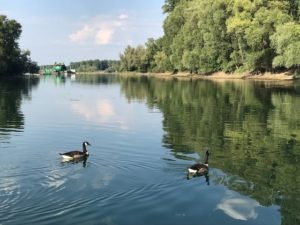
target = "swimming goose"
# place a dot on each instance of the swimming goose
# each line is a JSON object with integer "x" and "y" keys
{"x": 76, "y": 154}
{"x": 199, "y": 168}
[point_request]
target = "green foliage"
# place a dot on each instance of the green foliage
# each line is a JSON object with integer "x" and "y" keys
{"x": 170, "y": 5}
{"x": 95, "y": 65}
{"x": 205, "y": 36}
{"x": 12, "y": 60}
{"x": 286, "y": 41}
{"x": 162, "y": 62}
{"x": 251, "y": 24}
{"x": 135, "y": 59}
{"x": 208, "y": 43}
{"x": 127, "y": 59}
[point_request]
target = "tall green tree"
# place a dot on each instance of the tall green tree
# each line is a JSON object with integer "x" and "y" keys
{"x": 286, "y": 42}
{"x": 208, "y": 42}
{"x": 135, "y": 59}
{"x": 173, "y": 41}
{"x": 127, "y": 59}
{"x": 205, "y": 36}
{"x": 10, "y": 31}
{"x": 169, "y": 5}
{"x": 12, "y": 59}
{"x": 250, "y": 25}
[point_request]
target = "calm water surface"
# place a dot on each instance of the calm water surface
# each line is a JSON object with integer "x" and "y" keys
{"x": 144, "y": 133}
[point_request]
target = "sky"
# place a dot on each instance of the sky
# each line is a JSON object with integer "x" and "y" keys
{"x": 74, "y": 30}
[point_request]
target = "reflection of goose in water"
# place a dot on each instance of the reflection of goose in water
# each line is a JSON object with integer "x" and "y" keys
{"x": 72, "y": 155}
{"x": 199, "y": 169}
{"x": 75, "y": 161}
{"x": 190, "y": 176}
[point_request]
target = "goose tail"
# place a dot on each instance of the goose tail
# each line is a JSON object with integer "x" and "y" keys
{"x": 191, "y": 171}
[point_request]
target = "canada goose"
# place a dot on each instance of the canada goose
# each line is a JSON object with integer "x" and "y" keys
{"x": 200, "y": 169}
{"x": 76, "y": 154}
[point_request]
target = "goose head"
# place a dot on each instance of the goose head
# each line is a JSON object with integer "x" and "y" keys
{"x": 84, "y": 146}
{"x": 86, "y": 143}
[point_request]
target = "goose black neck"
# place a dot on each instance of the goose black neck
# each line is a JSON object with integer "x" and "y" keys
{"x": 206, "y": 157}
{"x": 84, "y": 147}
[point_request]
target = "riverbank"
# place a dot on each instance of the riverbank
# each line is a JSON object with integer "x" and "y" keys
{"x": 286, "y": 76}
{"x": 224, "y": 76}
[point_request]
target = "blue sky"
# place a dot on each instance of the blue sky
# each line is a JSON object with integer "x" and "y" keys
{"x": 74, "y": 30}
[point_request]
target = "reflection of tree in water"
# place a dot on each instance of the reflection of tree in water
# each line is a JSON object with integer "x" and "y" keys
{"x": 253, "y": 130}
{"x": 97, "y": 79}
{"x": 12, "y": 91}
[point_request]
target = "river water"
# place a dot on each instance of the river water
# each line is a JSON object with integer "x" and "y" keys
{"x": 145, "y": 133}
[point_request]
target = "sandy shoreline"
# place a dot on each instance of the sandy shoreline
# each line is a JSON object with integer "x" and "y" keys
{"x": 225, "y": 76}
{"x": 286, "y": 76}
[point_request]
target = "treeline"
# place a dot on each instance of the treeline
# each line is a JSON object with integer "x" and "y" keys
{"x": 13, "y": 61}
{"x": 96, "y": 65}
{"x": 205, "y": 36}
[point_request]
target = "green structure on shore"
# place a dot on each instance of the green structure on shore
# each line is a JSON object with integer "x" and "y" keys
{"x": 56, "y": 69}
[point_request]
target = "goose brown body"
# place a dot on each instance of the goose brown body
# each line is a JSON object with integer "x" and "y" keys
{"x": 199, "y": 168}
{"x": 76, "y": 154}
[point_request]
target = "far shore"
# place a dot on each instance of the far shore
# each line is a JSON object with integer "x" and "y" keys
{"x": 285, "y": 76}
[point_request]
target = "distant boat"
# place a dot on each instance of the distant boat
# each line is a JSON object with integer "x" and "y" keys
{"x": 70, "y": 72}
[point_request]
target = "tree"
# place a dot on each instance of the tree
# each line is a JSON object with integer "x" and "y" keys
{"x": 170, "y": 5}
{"x": 10, "y": 31}
{"x": 135, "y": 59}
{"x": 223, "y": 35}
{"x": 127, "y": 59}
{"x": 209, "y": 42}
{"x": 152, "y": 48}
{"x": 12, "y": 60}
{"x": 172, "y": 29}
{"x": 28, "y": 65}
{"x": 141, "y": 59}
{"x": 286, "y": 42}
{"x": 162, "y": 63}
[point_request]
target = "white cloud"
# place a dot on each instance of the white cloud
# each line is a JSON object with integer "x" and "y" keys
{"x": 104, "y": 36}
{"x": 81, "y": 34}
{"x": 100, "y": 30}
{"x": 123, "y": 17}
